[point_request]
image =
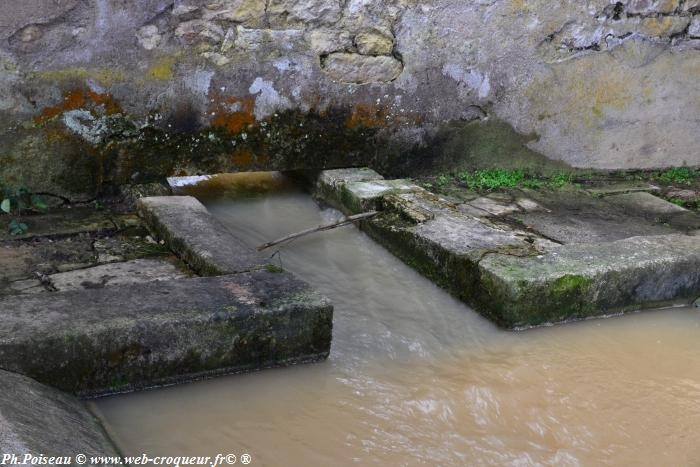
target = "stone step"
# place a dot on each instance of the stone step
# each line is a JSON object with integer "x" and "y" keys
{"x": 128, "y": 337}
{"x": 38, "y": 420}
{"x": 196, "y": 236}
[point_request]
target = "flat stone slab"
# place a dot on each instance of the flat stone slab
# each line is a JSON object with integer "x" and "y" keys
{"x": 526, "y": 258}
{"x": 657, "y": 210}
{"x": 24, "y": 262}
{"x": 38, "y": 420}
{"x": 107, "y": 275}
{"x": 71, "y": 221}
{"x": 334, "y": 177}
{"x": 358, "y": 190}
{"x": 578, "y": 281}
{"x": 196, "y": 236}
{"x": 573, "y": 217}
{"x": 127, "y": 337}
{"x": 622, "y": 187}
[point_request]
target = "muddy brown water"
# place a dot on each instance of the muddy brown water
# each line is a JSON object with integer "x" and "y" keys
{"x": 417, "y": 378}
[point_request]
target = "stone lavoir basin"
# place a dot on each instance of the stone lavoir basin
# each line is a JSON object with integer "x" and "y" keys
{"x": 416, "y": 377}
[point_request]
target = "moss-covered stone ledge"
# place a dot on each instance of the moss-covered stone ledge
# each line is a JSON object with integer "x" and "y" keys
{"x": 580, "y": 281}
{"x": 484, "y": 253}
{"x": 123, "y": 338}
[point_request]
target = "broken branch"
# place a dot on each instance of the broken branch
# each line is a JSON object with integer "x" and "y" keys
{"x": 320, "y": 228}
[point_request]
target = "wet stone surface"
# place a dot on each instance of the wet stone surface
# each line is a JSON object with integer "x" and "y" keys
{"x": 94, "y": 312}
{"x": 129, "y": 272}
{"x": 29, "y": 264}
{"x": 188, "y": 229}
{"x": 612, "y": 250}
{"x": 36, "y": 419}
{"x": 134, "y": 336}
{"x": 72, "y": 221}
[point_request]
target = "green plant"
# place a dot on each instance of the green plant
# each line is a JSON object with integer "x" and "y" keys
{"x": 680, "y": 175}
{"x": 502, "y": 178}
{"x": 16, "y": 227}
{"x": 273, "y": 268}
{"x": 678, "y": 202}
{"x": 533, "y": 183}
{"x": 493, "y": 178}
{"x": 560, "y": 179}
{"x": 443, "y": 180}
{"x": 15, "y": 200}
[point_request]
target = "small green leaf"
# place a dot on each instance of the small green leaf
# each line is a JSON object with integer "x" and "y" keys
{"x": 6, "y": 205}
{"x": 38, "y": 204}
{"x": 17, "y": 228}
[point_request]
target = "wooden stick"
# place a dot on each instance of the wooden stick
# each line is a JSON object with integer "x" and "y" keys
{"x": 320, "y": 228}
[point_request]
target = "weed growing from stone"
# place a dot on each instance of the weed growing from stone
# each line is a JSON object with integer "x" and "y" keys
{"x": 679, "y": 175}
{"x": 678, "y": 202}
{"x": 492, "y": 179}
{"x": 14, "y": 200}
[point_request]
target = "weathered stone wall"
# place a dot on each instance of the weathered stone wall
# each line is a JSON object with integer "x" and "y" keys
{"x": 96, "y": 93}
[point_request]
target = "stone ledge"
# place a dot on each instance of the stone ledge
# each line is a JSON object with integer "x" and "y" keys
{"x": 518, "y": 277}
{"x": 123, "y": 338}
{"x": 578, "y": 281}
{"x": 196, "y": 236}
{"x": 64, "y": 222}
{"x": 36, "y": 419}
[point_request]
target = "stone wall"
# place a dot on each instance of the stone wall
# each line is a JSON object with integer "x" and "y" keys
{"x": 105, "y": 92}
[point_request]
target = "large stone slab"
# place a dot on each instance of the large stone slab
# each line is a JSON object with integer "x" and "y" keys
{"x": 200, "y": 239}
{"x": 62, "y": 222}
{"x": 578, "y": 281}
{"x": 121, "y": 338}
{"x": 38, "y": 420}
{"x": 531, "y": 258}
{"x": 655, "y": 209}
{"x": 357, "y": 190}
{"x": 111, "y": 274}
{"x": 571, "y": 216}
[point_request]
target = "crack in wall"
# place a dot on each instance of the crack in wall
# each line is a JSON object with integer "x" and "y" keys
{"x": 615, "y": 24}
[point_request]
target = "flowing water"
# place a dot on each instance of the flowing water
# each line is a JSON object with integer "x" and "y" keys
{"x": 417, "y": 378}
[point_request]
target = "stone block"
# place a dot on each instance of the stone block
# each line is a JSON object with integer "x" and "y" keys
{"x": 580, "y": 281}
{"x": 492, "y": 255}
{"x": 127, "y": 337}
{"x": 137, "y": 271}
{"x": 196, "y": 236}
{"x": 359, "y": 69}
{"x": 372, "y": 43}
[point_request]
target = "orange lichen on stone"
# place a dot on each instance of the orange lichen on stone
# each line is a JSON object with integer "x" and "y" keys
{"x": 375, "y": 116}
{"x": 232, "y": 113}
{"x": 78, "y": 99}
{"x": 242, "y": 158}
